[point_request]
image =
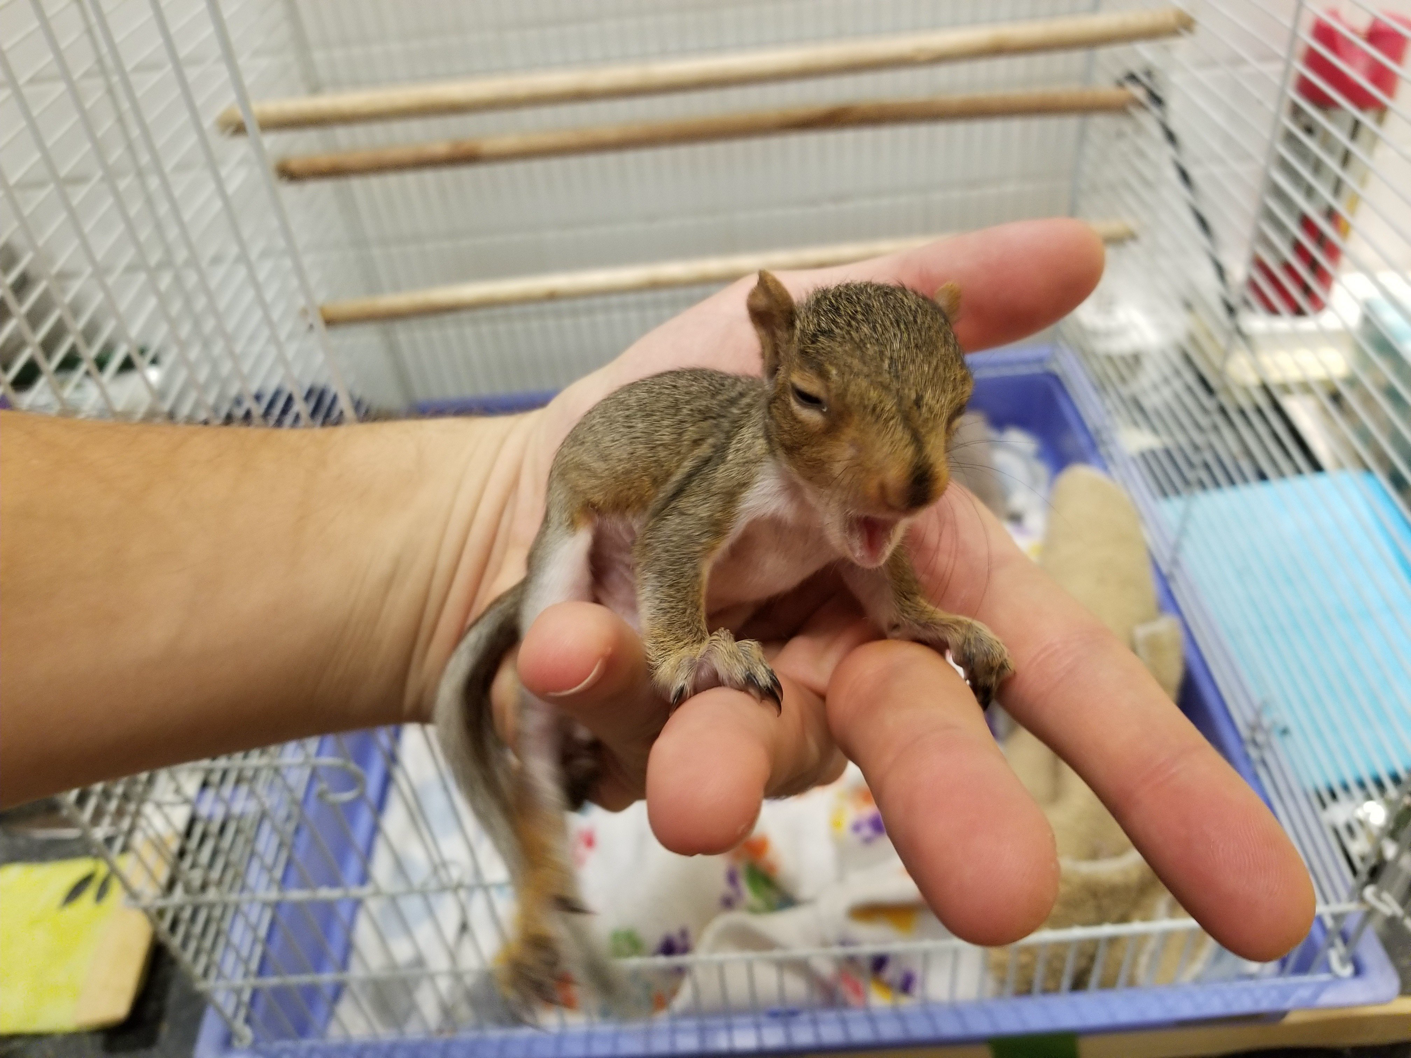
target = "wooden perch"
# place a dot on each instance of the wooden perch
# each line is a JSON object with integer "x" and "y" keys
{"x": 596, "y": 138}
{"x": 710, "y": 71}
{"x": 596, "y": 281}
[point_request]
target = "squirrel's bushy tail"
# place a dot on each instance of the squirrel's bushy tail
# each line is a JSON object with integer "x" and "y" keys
{"x": 522, "y": 809}
{"x": 465, "y": 722}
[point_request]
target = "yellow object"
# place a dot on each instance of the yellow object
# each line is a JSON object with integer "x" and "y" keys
{"x": 72, "y": 953}
{"x": 901, "y": 917}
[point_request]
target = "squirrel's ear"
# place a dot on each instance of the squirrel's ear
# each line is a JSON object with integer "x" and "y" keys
{"x": 948, "y": 298}
{"x": 772, "y": 312}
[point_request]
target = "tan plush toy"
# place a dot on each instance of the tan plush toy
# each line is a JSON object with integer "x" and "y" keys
{"x": 1094, "y": 548}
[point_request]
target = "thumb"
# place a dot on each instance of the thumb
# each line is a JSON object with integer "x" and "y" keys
{"x": 590, "y": 663}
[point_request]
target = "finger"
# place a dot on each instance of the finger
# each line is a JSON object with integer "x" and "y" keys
{"x": 1198, "y": 824}
{"x": 722, "y": 752}
{"x": 708, "y": 771}
{"x": 589, "y": 662}
{"x": 972, "y": 838}
{"x": 1015, "y": 279}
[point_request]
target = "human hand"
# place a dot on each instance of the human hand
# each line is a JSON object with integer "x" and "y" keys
{"x": 977, "y": 845}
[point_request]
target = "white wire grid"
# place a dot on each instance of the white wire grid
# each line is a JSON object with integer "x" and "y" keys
{"x": 149, "y": 269}
{"x": 154, "y": 270}
{"x": 1230, "y": 395}
{"x": 255, "y": 902}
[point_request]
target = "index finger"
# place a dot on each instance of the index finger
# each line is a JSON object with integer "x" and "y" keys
{"x": 1078, "y": 688}
{"x": 976, "y": 844}
{"x": 1015, "y": 279}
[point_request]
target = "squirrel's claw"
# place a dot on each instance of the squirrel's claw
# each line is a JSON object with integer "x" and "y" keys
{"x": 719, "y": 661}
{"x": 530, "y": 973}
{"x": 971, "y": 645}
{"x": 770, "y": 690}
{"x": 581, "y": 764}
{"x": 983, "y": 691}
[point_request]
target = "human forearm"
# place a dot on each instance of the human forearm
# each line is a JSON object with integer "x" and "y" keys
{"x": 175, "y": 592}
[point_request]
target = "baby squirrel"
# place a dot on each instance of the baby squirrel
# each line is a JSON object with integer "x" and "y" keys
{"x": 696, "y": 491}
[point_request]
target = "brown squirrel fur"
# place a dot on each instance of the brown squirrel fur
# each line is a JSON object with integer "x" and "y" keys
{"x": 692, "y": 491}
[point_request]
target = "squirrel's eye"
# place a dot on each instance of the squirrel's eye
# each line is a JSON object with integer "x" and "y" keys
{"x": 809, "y": 400}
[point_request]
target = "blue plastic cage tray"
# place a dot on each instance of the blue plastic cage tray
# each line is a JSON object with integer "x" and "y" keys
{"x": 1284, "y": 607}
{"x": 1013, "y": 387}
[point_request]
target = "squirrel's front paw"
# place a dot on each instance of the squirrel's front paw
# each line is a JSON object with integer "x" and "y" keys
{"x": 719, "y": 661}
{"x": 973, "y": 647}
{"x": 984, "y": 659}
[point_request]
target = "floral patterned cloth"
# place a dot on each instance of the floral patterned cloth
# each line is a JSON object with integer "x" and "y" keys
{"x": 818, "y": 872}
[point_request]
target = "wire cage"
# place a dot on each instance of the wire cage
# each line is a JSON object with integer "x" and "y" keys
{"x": 292, "y": 212}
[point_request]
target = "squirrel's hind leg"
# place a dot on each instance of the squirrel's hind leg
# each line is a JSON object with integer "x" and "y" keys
{"x": 894, "y": 602}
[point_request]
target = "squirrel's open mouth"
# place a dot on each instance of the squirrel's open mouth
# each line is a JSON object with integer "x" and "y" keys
{"x": 870, "y": 539}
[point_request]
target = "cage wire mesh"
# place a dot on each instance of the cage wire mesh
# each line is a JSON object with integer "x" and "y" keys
{"x": 1249, "y": 355}
{"x": 1242, "y": 369}
{"x": 149, "y": 271}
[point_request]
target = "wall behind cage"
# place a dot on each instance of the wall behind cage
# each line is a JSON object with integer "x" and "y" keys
{"x": 1220, "y": 91}
{"x": 156, "y": 236}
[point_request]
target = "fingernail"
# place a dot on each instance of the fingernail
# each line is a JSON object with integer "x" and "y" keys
{"x": 588, "y": 681}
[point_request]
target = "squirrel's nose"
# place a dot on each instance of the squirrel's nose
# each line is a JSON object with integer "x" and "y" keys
{"x": 908, "y": 491}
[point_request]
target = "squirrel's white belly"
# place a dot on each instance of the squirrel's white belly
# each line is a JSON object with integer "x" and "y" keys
{"x": 766, "y": 558}
{"x": 778, "y": 542}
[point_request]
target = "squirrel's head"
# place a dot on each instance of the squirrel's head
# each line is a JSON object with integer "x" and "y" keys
{"x": 866, "y": 384}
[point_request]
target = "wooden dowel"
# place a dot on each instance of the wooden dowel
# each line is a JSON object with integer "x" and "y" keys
{"x": 597, "y": 281}
{"x": 711, "y": 71}
{"x": 557, "y": 142}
